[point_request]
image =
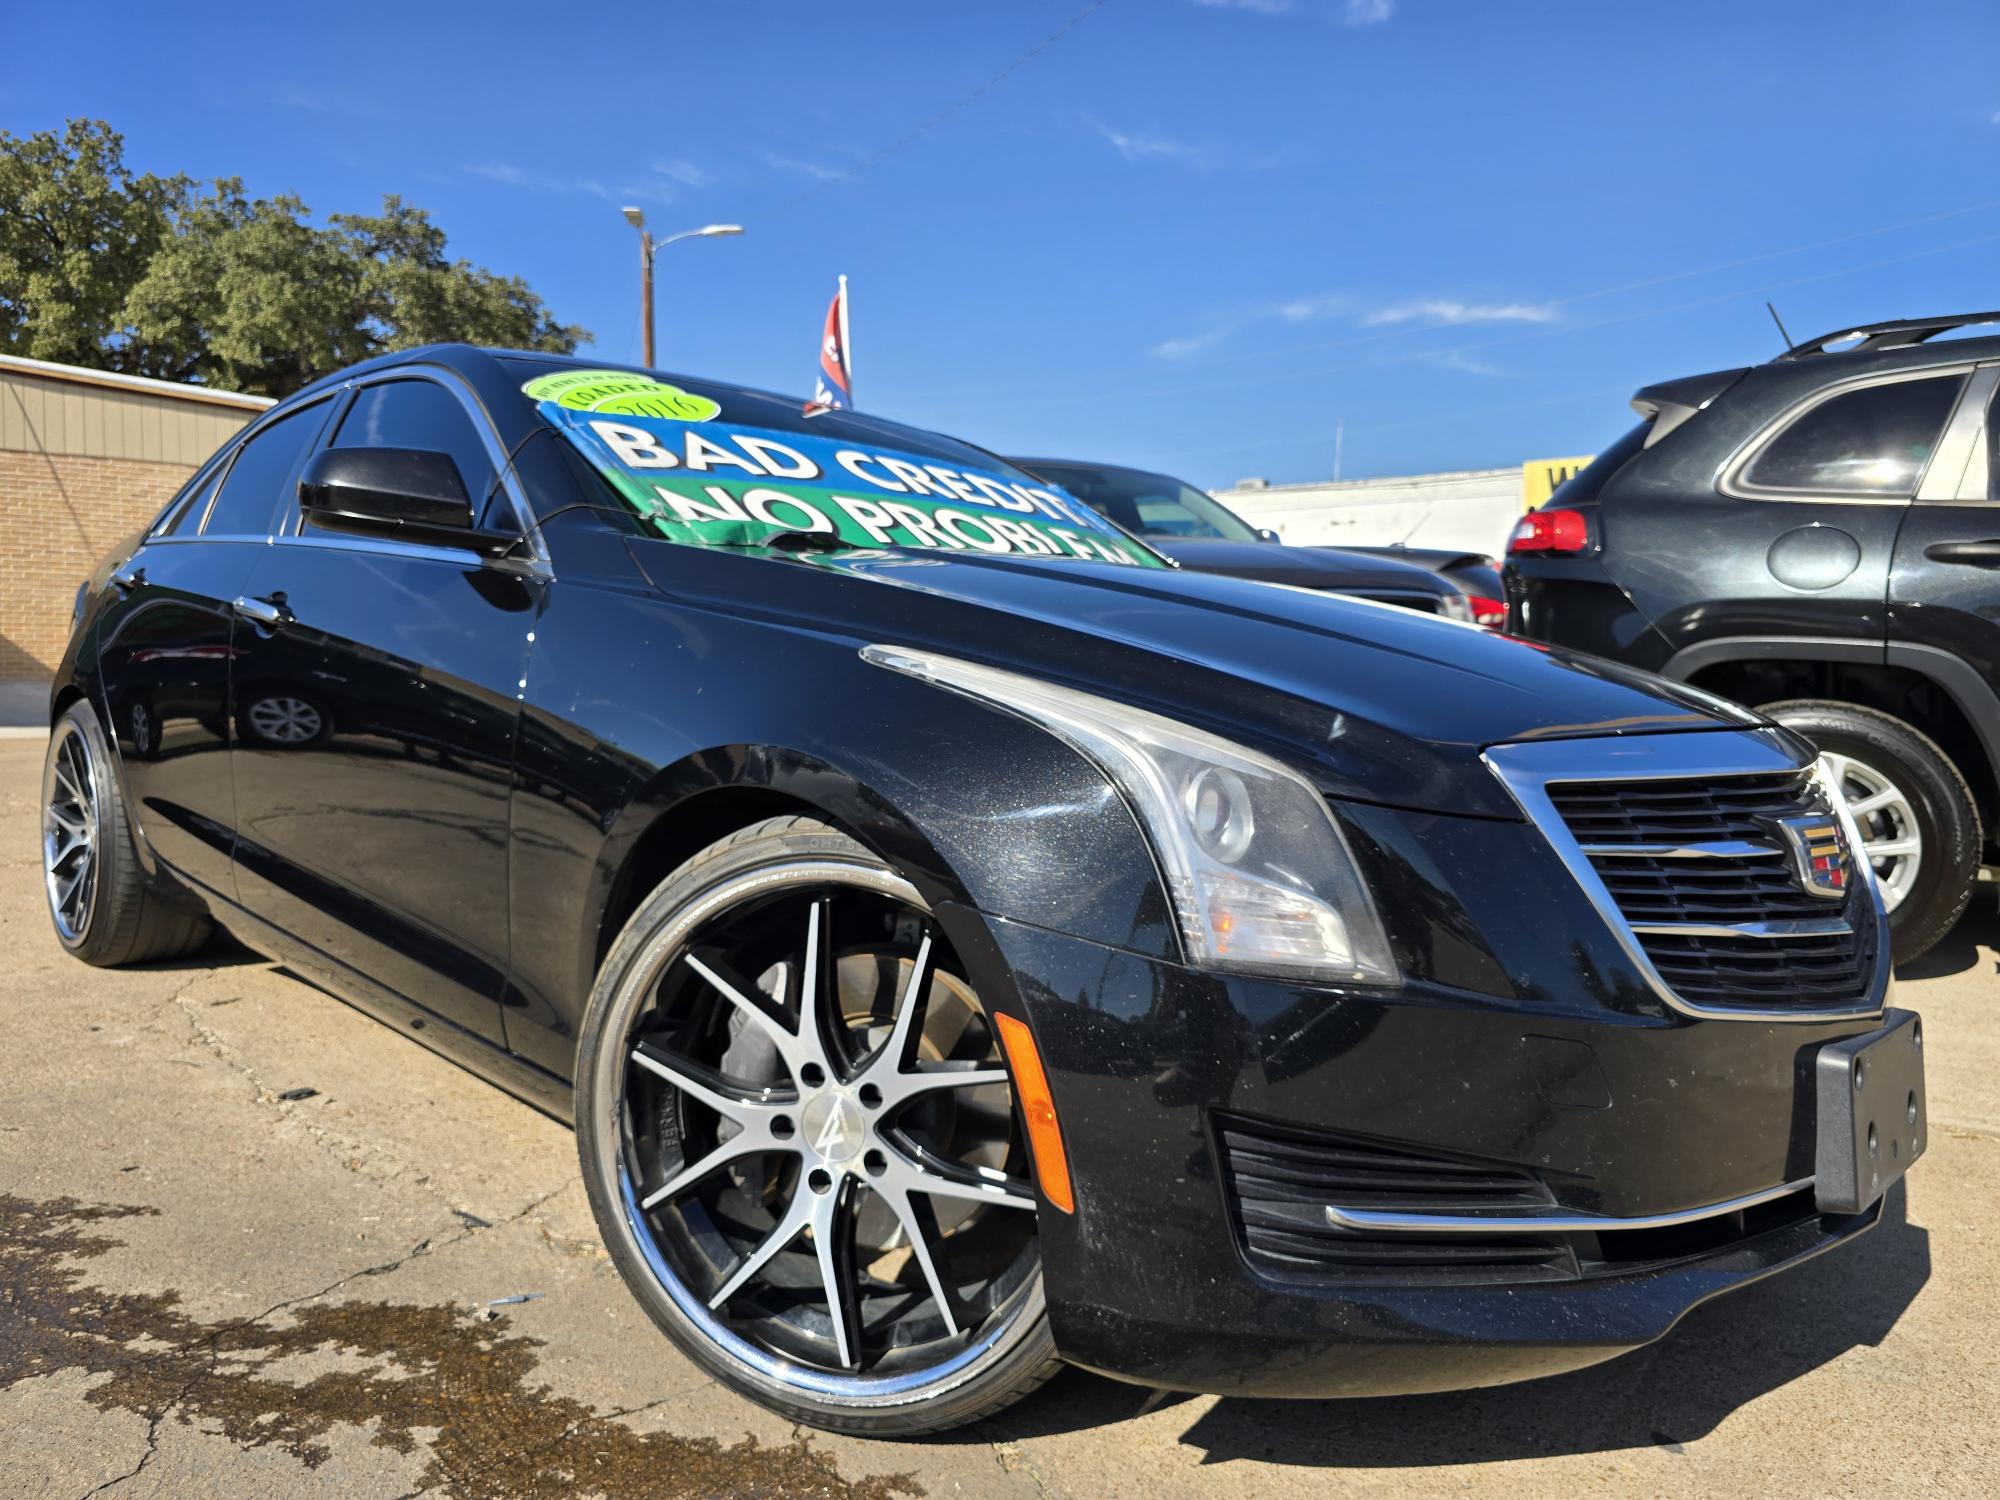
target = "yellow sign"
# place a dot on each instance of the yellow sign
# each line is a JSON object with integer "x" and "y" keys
{"x": 1540, "y": 476}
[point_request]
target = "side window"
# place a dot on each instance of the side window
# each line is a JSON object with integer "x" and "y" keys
{"x": 184, "y": 511}
{"x": 257, "y": 483}
{"x": 1993, "y": 447}
{"x": 1872, "y": 441}
{"x": 419, "y": 414}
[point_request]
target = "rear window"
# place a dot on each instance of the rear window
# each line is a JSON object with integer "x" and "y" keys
{"x": 1873, "y": 441}
{"x": 1587, "y": 483}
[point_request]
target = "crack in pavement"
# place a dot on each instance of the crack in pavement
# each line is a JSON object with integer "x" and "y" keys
{"x": 342, "y": 1147}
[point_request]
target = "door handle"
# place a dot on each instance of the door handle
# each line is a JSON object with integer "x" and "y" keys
{"x": 270, "y": 613}
{"x": 126, "y": 579}
{"x": 1979, "y": 554}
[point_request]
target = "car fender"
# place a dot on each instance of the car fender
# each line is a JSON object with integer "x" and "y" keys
{"x": 1958, "y": 681}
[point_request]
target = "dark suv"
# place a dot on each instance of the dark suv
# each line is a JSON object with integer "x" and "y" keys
{"x": 1817, "y": 536}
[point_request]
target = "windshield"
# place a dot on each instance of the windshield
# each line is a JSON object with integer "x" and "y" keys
{"x": 1149, "y": 504}
{"x": 713, "y": 465}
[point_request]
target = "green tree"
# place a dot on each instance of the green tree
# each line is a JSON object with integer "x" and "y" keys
{"x": 158, "y": 277}
{"x": 77, "y": 231}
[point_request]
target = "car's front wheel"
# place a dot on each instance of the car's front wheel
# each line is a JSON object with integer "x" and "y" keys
{"x": 1919, "y": 824}
{"x": 799, "y": 1136}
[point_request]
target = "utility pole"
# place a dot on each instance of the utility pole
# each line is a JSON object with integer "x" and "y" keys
{"x": 648, "y": 247}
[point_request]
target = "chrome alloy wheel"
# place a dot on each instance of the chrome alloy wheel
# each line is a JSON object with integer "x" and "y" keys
{"x": 285, "y": 720}
{"x": 819, "y": 1159}
{"x": 1891, "y": 839}
{"x": 70, "y": 830}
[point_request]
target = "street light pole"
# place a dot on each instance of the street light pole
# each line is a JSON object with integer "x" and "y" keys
{"x": 648, "y": 247}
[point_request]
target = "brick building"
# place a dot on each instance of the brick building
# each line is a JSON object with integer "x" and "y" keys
{"x": 86, "y": 457}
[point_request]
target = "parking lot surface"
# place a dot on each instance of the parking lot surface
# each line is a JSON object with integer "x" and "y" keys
{"x": 253, "y": 1243}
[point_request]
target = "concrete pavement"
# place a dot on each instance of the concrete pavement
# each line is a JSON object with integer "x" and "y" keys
{"x": 254, "y": 1243}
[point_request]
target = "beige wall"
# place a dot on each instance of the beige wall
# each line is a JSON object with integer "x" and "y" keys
{"x": 85, "y": 459}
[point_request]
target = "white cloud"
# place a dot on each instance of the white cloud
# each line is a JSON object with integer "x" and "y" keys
{"x": 500, "y": 171}
{"x": 1368, "y": 12}
{"x": 1307, "y": 309}
{"x": 659, "y": 187}
{"x": 819, "y": 171}
{"x": 1458, "y": 359}
{"x": 1135, "y": 147}
{"x": 1194, "y": 343}
{"x": 1443, "y": 312}
{"x": 683, "y": 171}
{"x": 1299, "y": 310}
{"x": 1262, "y": 7}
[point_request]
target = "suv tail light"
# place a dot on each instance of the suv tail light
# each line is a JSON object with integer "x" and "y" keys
{"x": 1550, "y": 531}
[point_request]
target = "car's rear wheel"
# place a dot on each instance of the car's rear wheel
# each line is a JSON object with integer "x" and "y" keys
{"x": 798, "y": 1133}
{"x": 1919, "y": 824}
{"x": 103, "y": 908}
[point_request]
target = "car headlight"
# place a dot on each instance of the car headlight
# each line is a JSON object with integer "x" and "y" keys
{"x": 1260, "y": 875}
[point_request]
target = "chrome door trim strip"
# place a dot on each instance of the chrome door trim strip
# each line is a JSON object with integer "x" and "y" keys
{"x": 1526, "y": 769}
{"x": 1378, "y": 1221}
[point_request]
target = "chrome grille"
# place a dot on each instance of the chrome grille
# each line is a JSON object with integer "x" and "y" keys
{"x": 1669, "y": 835}
{"x": 1707, "y": 886}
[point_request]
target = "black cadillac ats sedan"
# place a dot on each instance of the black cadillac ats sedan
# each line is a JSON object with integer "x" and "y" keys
{"x": 963, "y": 941}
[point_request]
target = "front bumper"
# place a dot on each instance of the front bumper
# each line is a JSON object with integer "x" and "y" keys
{"x": 1154, "y": 1278}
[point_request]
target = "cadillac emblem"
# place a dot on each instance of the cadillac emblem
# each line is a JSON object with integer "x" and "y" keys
{"x": 1819, "y": 854}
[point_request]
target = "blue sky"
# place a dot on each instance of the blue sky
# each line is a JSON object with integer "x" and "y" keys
{"x": 1190, "y": 234}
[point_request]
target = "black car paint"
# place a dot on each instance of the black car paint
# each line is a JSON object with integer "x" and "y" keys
{"x": 585, "y": 718}
{"x": 1683, "y": 578}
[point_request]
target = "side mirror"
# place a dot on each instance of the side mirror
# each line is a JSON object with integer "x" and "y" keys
{"x": 400, "y": 494}
{"x": 1266, "y": 534}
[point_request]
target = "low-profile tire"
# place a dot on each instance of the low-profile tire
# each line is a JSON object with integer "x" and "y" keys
{"x": 1919, "y": 823}
{"x": 104, "y": 908}
{"x": 828, "y": 1206}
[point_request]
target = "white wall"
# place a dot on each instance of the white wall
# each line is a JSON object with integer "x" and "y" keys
{"x": 1473, "y": 510}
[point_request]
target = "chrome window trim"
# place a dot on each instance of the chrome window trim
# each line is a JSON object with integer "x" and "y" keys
{"x": 1944, "y": 480}
{"x": 1526, "y": 769}
{"x": 482, "y": 425}
{"x": 1733, "y": 483}
{"x": 243, "y": 440}
{"x": 1555, "y": 1221}
{"x": 1975, "y": 480}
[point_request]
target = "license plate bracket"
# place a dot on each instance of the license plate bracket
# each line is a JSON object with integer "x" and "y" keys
{"x": 1872, "y": 1118}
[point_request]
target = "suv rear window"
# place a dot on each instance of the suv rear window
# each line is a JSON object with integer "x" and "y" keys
{"x": 1584, "y": 486}
{"x": 1872, "y": 441}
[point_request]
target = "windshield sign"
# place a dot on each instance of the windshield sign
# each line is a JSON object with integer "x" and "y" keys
{"x": 699, "y": 478}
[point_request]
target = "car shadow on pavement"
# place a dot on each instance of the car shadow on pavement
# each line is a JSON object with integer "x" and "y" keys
{"x": 221, "y": 951}
{"x": 1958, "y": 952}
{"x": 1723, "y": 1355}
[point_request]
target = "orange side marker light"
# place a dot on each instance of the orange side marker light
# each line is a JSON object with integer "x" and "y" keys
{"x": 1037, "y": 1105}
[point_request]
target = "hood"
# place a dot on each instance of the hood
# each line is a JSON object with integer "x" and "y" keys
{"x": 1302, "y": 567}
{"x": 1379, "y": 703}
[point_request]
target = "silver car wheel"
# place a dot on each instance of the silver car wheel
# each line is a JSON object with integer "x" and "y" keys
{"x": 1891, "y": 839}
{"x": 285, "y": 720}
{"x": 70, "y": 830}
{"x": 820, "y": 1166}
